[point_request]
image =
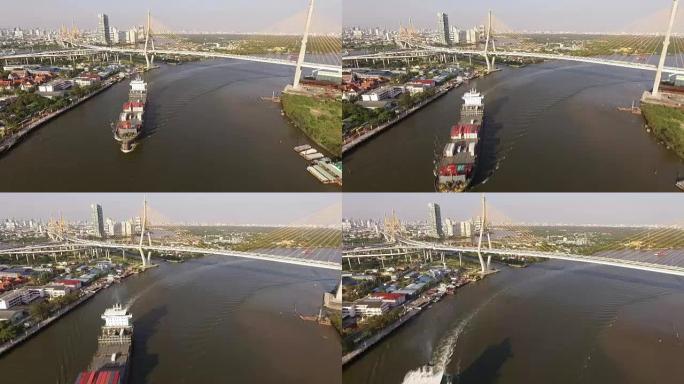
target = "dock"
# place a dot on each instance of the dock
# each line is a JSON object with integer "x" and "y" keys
{"x": 320, "y": 166}
{"x": 634, "y": 109}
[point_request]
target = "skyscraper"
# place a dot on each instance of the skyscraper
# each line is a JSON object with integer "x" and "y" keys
{"x": 443, "y": 29}
{"x": 103, "y": 31}
{"x": 435, "y": 220}
{"x": 98, "y": 221}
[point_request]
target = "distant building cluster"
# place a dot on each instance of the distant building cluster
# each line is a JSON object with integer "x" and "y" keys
{"x": 102, "y": 228}
{"x": 108, "y": 35}
{"x": 25, "y": 33}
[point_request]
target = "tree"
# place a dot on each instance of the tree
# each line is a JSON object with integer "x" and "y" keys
{"x": 405, "y": 100}
{"x": 40, "y": 311}
{"x": 8, "y": 331}
{"x": 43, "y": 278}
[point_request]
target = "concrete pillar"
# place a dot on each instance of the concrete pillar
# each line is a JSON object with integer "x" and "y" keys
{"x": 666, "y": 44}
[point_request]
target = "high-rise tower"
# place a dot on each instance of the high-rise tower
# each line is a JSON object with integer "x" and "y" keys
{"x": 98, "y": 221}
{"x": 435, "y": 220}
{"x": 103, "y": 31}
{"x": 443, "y": 29}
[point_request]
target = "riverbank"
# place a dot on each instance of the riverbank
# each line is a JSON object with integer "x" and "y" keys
{"x": 41, "y": 325}
{"x": 348, "y": 357}
{"x": 16, "y": 138}
{"x": 319, "y": 117}
{"x": 355, "y": 141}
{"x": 667, "y": 124}
{"x": 89, "y": 293}
{"x": 413, "y": 308}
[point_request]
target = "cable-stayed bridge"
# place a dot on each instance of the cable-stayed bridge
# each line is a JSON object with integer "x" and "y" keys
{"x": 655, "y": 52}
{"x": 74, "y": 245}
{"x": 275, "y": 246}
{"x": 150, "y": 50}
{"x": 658, "y": 249}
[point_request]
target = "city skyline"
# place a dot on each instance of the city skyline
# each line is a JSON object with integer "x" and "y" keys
{"x": 624, "y": 16}
{"x": 237, "y": 16}
{"x": 554, "y": 208}
{"x": 319, "y": 209}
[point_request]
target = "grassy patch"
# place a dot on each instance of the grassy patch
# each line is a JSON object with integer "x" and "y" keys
{"x": 319, "y": 118}
{"x": 666, "y": 123}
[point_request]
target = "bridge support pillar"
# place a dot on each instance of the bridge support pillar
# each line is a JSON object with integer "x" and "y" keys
{"x": 489, "y": 257}
{"x": 142, "y": 256}
{"x": 666, "y": 44}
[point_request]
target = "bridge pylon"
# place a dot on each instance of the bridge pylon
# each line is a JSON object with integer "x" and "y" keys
{"x": 146, "y": 262}
{"x": 666, "y": 45}
{"x": 302, "y": 49}
{"x": 491, "y": 65}
{"x": 485, "y": 267}
{"x": 149, "y": 43}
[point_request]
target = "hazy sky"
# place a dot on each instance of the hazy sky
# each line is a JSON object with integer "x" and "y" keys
{"x": 558, "y": 15}
{"x": 286, "y": 16}
{"x": 233, "y": 208}
{"x": 601, "y": 208}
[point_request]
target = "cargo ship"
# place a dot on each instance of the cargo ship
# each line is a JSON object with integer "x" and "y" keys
{"x": 112, "y": 358}
{"x": 127, "y": 129}
{"x": 455, "y": 165}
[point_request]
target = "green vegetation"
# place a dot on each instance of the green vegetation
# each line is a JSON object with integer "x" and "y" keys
{"x": 293, "y": 238}
{"x": 28, "y": 105}
{"x": 79, "y": 92}
{"x": 361, "y": 289}
{"x": 42, "y": 279}
{"x": 42, "y": 310}
{"x": 357, "y": 116}
{"x": 8, "y": 331}
{"x": 370, "y": 326}
{"x": 667, "y": 124}
{"x": 319, "y": 117}
{"x": 264, "y": 44}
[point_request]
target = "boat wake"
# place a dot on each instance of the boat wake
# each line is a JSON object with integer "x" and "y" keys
{"x": 441, "y": 357}
{"x": 434, "y": 372}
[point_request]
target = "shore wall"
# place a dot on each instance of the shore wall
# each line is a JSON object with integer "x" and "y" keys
{"x": 10, "y": 142}
{"x": 43, "y": 324}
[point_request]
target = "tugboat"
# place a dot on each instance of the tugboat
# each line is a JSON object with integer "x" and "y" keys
{"x": 112, "y": 358}
{"x": 455, "y": 166}
{"x": 127, "y": 129}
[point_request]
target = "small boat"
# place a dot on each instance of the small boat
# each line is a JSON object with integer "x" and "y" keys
{"x": 680, "y": 183}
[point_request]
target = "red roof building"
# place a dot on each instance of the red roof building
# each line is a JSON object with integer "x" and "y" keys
{"x": 70, "y": 283}
{"x": 393, "y": 299}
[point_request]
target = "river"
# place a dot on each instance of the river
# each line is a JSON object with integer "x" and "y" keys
{"x": 206, "y": 129}
{"x": 208, "y": 320}
{"x": 553, "y": 322}
{"x": 548, "y": 127}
